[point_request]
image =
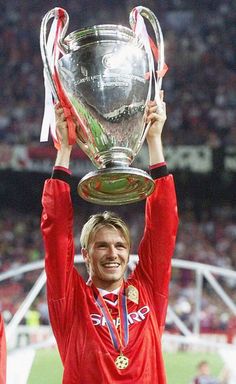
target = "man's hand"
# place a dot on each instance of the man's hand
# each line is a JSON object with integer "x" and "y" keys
{"x": 64, "y": 151}
{"x": 61, "y": 126}
{"x": 156, "y": 115}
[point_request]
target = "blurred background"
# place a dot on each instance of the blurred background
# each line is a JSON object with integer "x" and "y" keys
{"x": 199, "y": 140}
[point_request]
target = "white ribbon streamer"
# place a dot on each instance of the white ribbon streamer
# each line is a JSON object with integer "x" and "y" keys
{"x": 49, "y": 122}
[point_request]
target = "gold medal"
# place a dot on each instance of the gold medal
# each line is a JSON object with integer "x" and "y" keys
{"x": 121, "y": 362}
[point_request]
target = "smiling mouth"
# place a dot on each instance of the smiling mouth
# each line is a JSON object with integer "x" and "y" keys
{"x": 111, "y": 265}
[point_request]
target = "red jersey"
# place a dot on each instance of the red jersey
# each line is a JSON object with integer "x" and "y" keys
{"x": 79, "y": 327}
{"x": 3, "y": 353}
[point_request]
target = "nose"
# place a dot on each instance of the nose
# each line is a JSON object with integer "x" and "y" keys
{"x": 112, "y": 252}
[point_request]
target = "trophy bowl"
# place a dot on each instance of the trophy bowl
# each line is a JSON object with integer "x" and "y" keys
{"x": 103, "y": 71}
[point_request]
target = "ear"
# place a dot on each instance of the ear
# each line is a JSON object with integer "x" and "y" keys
{"x": 85, "y": 254}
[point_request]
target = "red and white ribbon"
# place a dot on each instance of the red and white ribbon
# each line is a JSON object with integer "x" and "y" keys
{"x": 49, "y": 115}
{"x": 53, "y": 54}
{"x": 152, "y": 53}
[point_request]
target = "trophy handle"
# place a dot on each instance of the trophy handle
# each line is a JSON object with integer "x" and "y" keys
{"x": 150, "y": 16}
{"x": 47, "y": 62}
{"x": 160, "y": 59}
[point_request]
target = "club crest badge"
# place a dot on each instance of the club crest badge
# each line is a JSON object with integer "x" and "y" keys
{"x": 132, "y": 294}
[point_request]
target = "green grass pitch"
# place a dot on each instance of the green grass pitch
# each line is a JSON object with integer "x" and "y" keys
{"x": 180, "y": 366}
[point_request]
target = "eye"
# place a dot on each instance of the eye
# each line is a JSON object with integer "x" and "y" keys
{"x": 121, "y": 246}
{"x": 102, "y": 245}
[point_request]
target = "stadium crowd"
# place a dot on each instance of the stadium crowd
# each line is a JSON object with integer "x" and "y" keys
{"x": 211, "y": 240}
{"x": 200, "y": 86}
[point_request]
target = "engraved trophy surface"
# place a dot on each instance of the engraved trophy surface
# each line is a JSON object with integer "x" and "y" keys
{"x": 104, "y": 72}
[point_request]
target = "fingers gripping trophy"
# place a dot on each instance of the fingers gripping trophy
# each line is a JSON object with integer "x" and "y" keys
{"x": 104, "y": 76}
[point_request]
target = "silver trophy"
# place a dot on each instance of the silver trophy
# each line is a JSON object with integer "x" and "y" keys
{"x": 107, "y": 73}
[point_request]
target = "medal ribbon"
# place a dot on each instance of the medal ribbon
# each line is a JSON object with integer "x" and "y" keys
{"x": 119, "y": 339}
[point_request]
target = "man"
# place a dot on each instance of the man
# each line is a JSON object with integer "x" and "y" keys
{"x": 3, "y": 352}
{"x": 203, "y": 375}
{"x": 116, "y": 340}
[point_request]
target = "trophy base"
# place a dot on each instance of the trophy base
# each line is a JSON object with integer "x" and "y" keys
{"x": 116, "y": 186}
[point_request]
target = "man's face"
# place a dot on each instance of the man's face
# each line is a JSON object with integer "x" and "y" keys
{"x": 107, "y": 256}
{"x": 205, "y": 370}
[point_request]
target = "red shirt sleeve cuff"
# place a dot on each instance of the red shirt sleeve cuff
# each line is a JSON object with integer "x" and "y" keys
{"x": 64, "y": 169}
{"x": 157, "y": 165}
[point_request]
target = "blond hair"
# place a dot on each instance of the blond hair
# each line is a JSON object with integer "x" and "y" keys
{"x": 101, "y": 220}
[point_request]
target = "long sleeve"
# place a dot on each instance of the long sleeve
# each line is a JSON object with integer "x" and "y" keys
{"x": 63, "y": 280}
{"x": 57, "y": 229}
{"x": 157, "y": 245}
